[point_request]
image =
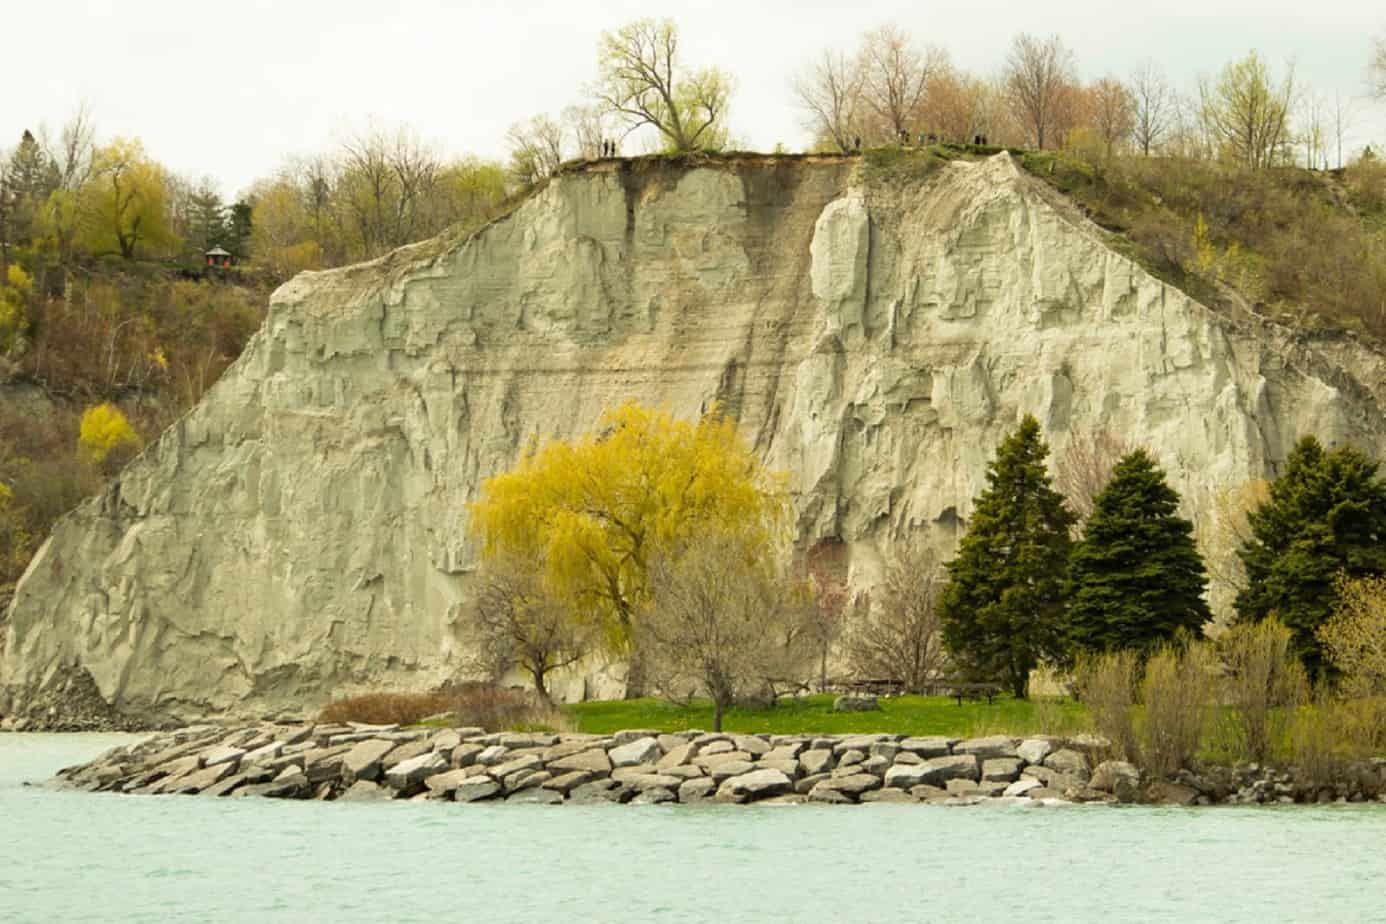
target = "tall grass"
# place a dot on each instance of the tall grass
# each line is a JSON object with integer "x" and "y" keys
{"x": 1175, "y": 691}
{"x": 491, "y": 707}
{"x": 1107, "y": 685}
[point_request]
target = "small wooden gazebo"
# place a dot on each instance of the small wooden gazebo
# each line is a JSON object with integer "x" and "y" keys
{"x": 218, "y": 257}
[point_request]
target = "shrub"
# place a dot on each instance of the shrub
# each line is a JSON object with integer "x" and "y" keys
{"x": 1262, "y": 682}
{"x": 491, "y": 707}
{"x": 1354, "y": 637}
{"x": 1175, "y": 693}
{"x": 1107, "y": 686}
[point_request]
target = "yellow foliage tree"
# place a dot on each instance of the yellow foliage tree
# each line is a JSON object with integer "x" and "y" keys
{"x": 128, "y": 201}
{"x": 14, "y": 296}
{"x": 104, "y": 430}
{"x": 597, "y": 511}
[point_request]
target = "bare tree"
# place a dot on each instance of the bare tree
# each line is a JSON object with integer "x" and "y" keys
{"x": 1342, "y": 117}
{"x": 588, "y": 125}
{"x": 1085, "y": 468}
{"x": 721, "y": 620}
{"x": 1113, "y": 112}
{"x": 1314, "y": 130}
{"x": 829, "y": 92}
{"x": 385, "y": 180}
{"x": 899, "y": 637}
{"x": 536, "y": 148}
{"x": 1039, "y": 76}
{"x": 516, "y": 625}
{"x": 73, "y": 155}
{"x": 826, "y": 614}
{"x": 639, "y": 80}
{"x": 894, "y": 77}
{"x": 1156, "y": 106}
{"x": 1376, "y": 67}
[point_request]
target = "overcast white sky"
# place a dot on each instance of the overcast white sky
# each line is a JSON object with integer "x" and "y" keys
{"x": 230, "y": 89}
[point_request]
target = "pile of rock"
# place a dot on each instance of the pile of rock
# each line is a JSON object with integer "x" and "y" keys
{"x": 359, "y": 762}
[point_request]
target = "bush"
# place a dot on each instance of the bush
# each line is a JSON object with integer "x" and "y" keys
{"x": 1175, "y": 692}
{"x": 1262, "y": 683}
{"x": 106, "y": 437}
{"x": 1354, "y": 637}
{"x": 1107, "y": 687}
{"x": 491, "y": 707}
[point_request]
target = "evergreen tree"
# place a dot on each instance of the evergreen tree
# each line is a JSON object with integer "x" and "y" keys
{"x": 238, "y": 227}
{"x": 1326, "y": 514}
{"x": 1002, "y": 611}
{"x": 1136, "y": 578}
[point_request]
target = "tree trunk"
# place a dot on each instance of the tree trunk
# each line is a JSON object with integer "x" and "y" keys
{"x": 717, "y": 708}
{"x": 823, "y": 670}
{"x": 635, "y": 676}
{"x": 540, "y": 688}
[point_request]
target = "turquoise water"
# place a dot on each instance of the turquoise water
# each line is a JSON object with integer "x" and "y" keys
{"x": 95, "y": 857}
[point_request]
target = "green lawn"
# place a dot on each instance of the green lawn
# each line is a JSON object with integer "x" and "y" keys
{"x": 907, "y": 715}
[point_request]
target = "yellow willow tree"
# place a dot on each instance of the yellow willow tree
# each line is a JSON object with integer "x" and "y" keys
{"x": 595, "y": 512}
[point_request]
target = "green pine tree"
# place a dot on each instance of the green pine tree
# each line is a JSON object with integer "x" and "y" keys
{"x": 1136, "y": 577}
{"x": 1326, "y": 514}
{"x": 1002, "y": 611}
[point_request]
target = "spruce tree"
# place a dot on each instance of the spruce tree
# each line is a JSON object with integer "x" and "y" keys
{"x": 1326, "y": 514}
{"x": 1136, "y": 577}
{"x": 1002, "y": 611}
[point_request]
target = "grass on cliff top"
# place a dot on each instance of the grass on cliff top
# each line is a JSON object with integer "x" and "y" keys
{"x": 907, "y": 715}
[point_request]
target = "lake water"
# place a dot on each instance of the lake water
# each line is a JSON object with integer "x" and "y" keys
{"x": 100, "y": 857}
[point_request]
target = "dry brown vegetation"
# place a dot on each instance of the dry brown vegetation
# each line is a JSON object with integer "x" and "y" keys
{"x": 491, "y": 707}
{"x": 1303, "y": 246}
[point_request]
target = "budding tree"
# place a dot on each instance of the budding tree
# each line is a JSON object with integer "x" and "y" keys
{"x": 895, "y": 77}
{"x": 900, "y": 636}
{"x": 1246, "y": 110}
{"x": 640, "y": 80}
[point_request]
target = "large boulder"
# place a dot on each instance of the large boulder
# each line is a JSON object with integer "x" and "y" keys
{"x": 939, "y": 770}
{"x": 856, "y": 702}
{"x": 593, "y": 761}
{"x": 639, "y": 751}
{"x": 757, "y": 784}
{"x": 987, "y": 748}
{"x": 1070, "y": 763}
{"x": 1119, "y": 778}
{"x": 412, "y": 772}
{"x": 362, "y": 762}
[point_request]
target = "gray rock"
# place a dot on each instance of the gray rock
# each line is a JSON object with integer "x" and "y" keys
{"x": 956, "y": 767}
{"x": 445, "y": 740}
{"x": 199, "y": 780}
{"x": 291, "y": 784}
{"x": 908, "y": 757}
{"x": 816, "y": 761}
{"x": 529, "y": 762}
{"x": 876, "y": 764}
{"x": 492, "y": 754}
{"x": 856, "y": 743}
{"x": 786, "y": 751}
{"x": 442, "y": 785}
{"x": 676, "y": 756}
{"x": 1034, "y": 750}
{"x": 402, "y": 752}
{"x": 629, "y": 735}
{"x": 668, "y": 742}
{"x": 707, "y": 762}
{"x": 789, "y": 798}
{"x": 886, "y": 749}
{"x": 536, "y": 797}
{"x": 595, "y": 792}
{"x": 410, "y": 773}
{"x": 362, "y": 762}
{"x": 718, "y": 746}
{"x": 789, "y": 768}
{"x": 805, "y": 784}
{"x": 1001, "y": 770}
{"x": 465, "y": 755}
{"x": 263, "y": 753}
{"x": 655, "y": 796}
{"x": 1119, "y": 778}
{"x": 987, "y": 748}
{"x": 855, "y": 702}
{"x": 887, "y": 795}
{"x": 567, "y": 782}
{"x": 851, "y": 758}
{"x": 1070, "y": 763}
{"x": 729, "y": 768}
{"x": 226, "y": 786}
{"x": 854, "y": 784}
{"x": 366, "y": 791}
{"x": 643, "y": 781}
{"x": 906, "y": 776}
{"x": 593, "y": 761}
{"x": 222, "y": 755}
{"x": 751, "y": 744}
{"x": 475, "y": 789}
{"x": 822, "y": 793}
{"x": 696, "y": 790}
{"x": 928, "y": 747}
{"x": 1022, "y": 786}
{"x": 924, "y": 792}
{"x": 523, "y": 740}
{"x": 757, "y": 784}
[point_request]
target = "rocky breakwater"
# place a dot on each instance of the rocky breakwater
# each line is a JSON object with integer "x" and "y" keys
{"x": 357, "y": 763}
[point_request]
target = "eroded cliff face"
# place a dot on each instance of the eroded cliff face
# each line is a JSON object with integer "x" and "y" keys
{"x": 302, "y": 532}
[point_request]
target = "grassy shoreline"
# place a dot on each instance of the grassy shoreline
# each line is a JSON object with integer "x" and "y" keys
{"x": 907, "y": 715}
